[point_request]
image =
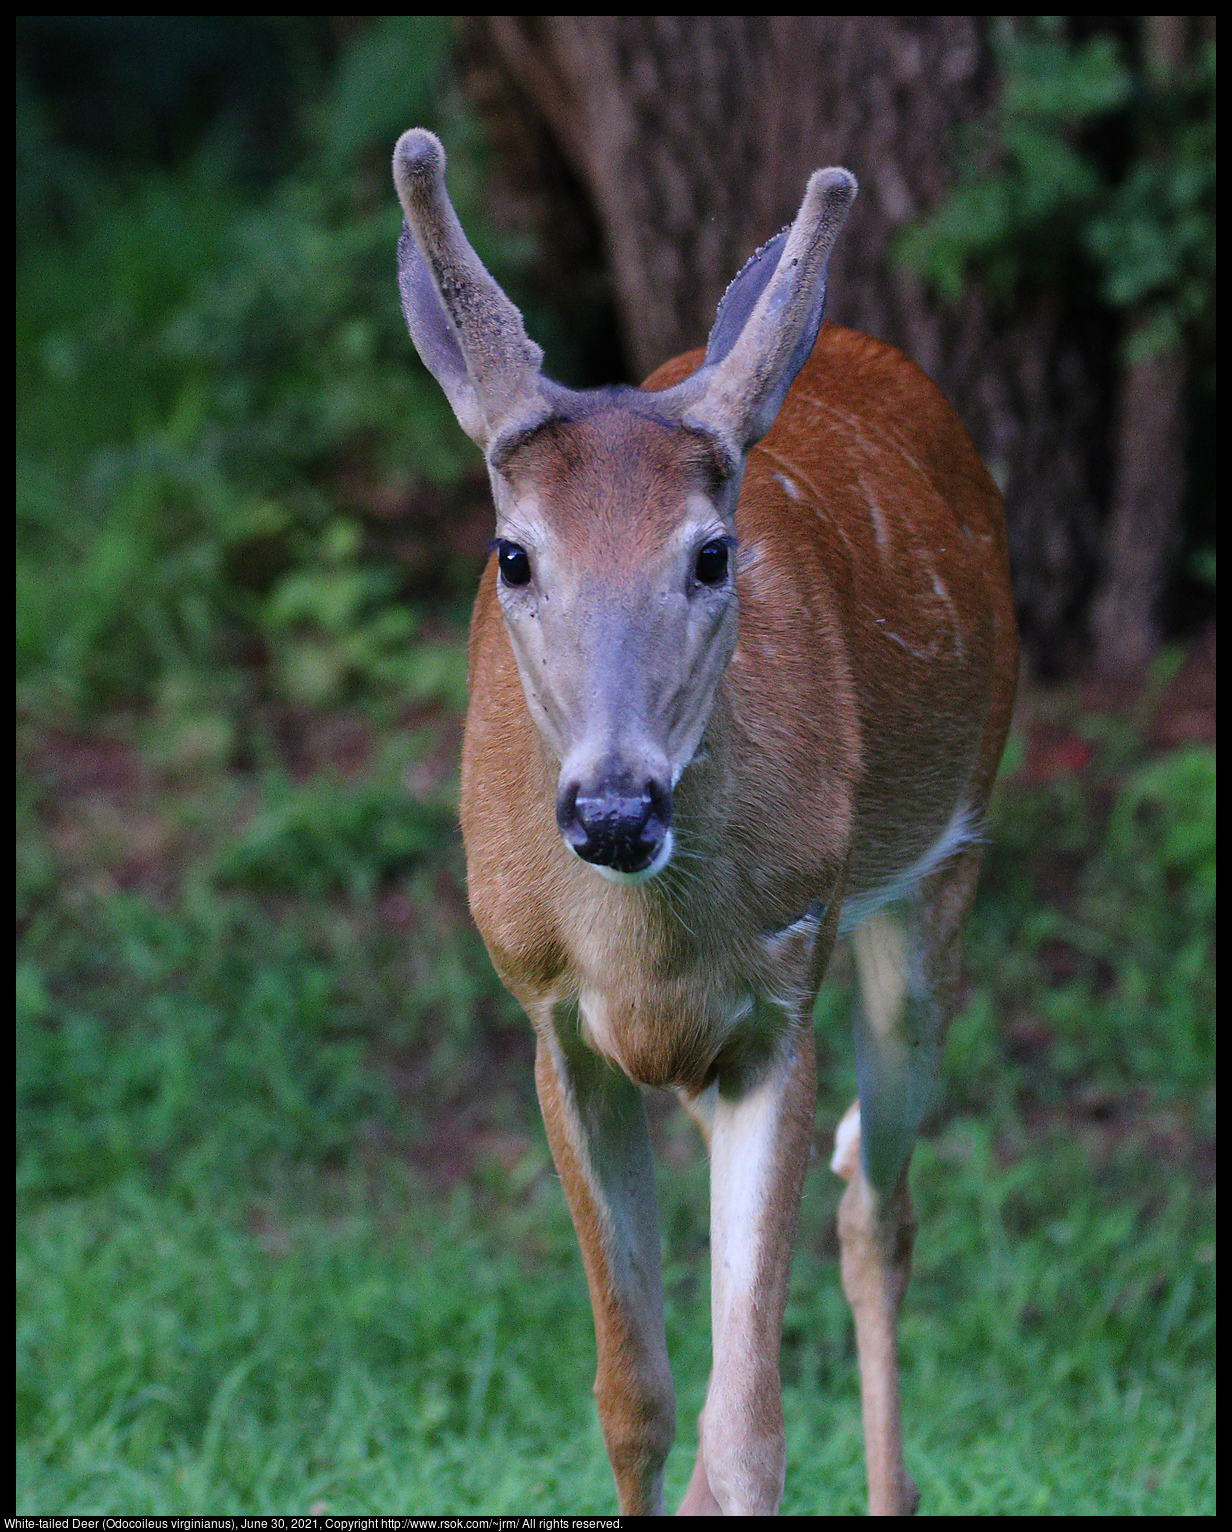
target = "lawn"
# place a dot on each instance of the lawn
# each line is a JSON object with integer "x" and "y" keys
{"x": 289, "y": 1237}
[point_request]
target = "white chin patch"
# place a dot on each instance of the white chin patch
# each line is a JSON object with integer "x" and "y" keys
{"x": 655, "y": 867}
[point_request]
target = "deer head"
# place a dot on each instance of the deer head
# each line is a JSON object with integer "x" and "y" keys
{"x": 615, "y": 508}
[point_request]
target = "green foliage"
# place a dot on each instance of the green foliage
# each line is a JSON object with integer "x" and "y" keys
{"x": 389, "y": 79}
{"x": 1037, "y": 194}
{"x": 1165, "y": 822}
{"x": 1125, "y": 957}
{"x": 331, "y": 624}
{"x": 199, "y": 357}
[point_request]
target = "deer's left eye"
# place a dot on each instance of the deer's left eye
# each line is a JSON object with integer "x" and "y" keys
{"x": 711, "y": 568}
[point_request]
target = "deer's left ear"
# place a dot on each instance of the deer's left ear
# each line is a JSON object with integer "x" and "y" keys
{"x": 768, "y": 320}
{"x": 740, "y": 299}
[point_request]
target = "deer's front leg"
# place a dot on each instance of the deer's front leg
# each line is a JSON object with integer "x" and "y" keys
{"x": 596, "y": 1127}
{"x": 760, "y": 1134}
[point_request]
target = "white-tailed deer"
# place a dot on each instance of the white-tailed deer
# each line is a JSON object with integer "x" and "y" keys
{"x": 741, "y": 670}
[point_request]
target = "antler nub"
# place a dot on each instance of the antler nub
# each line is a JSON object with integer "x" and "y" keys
{"x": 836, "y": 188}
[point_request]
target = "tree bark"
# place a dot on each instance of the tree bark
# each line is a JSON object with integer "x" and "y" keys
{"x": 1143, "y": 532}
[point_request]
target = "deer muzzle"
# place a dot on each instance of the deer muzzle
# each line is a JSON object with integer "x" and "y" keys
{"x": 619, "y": 820}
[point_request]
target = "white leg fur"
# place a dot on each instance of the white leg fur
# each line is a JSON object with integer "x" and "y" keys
{"x": 876, "y": 1232}
{"x": 760, "y": 1140}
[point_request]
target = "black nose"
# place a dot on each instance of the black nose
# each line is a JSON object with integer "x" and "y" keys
{"x": 615, "y": 822}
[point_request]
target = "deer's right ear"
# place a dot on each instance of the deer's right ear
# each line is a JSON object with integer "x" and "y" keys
{"x": 434, "y": 336}
{"x": 470, "y": 336}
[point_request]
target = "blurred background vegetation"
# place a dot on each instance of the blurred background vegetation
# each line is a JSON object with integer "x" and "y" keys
{"x": 281, "y": 1183}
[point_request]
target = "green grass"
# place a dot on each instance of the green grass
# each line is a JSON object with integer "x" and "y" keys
{"x": 396, "y": 1358}
{"x": 251, "y": 1278}
{"x": 350, "y": 1358}
{"x": 171, "y": 1361}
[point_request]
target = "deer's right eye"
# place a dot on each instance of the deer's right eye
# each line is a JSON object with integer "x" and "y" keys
{"x": 711, "y": 566}
{"x": 514, "y": 563}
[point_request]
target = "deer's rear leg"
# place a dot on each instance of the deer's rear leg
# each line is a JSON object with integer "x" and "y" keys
{"x": 876, "y": 1232}
{"x": 897, "y": 1037}
{"x": 909, "y": 989}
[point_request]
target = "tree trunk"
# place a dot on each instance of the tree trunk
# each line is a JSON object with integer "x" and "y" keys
{"x": 691, "y": 138}
{"x": 1143, "y": 532}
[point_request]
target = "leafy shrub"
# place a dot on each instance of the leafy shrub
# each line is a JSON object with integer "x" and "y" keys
{"x": 1035, "y": 194}
{"x": 1112, "y": 976}
{"x": 1165, "y": 818}
{"x": 198, "y": 355}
